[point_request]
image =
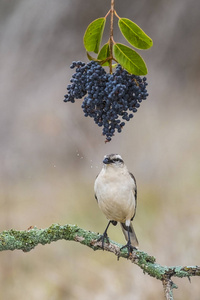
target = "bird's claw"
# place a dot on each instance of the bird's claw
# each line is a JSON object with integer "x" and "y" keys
{"x": 129, "y": 247}
{"x": 102, "y": 238}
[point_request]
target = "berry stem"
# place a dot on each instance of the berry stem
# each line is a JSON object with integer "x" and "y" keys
{"x": 111, "y": 33}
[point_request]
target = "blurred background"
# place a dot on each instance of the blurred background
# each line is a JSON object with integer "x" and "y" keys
{"x": 50, "y": 153}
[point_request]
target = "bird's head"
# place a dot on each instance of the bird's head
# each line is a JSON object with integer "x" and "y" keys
{"x": 113, "y": 160}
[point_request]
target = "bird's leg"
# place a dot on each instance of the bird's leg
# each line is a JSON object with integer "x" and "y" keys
{"x": 104, "y": 235}
{"x": 129, "y": 247}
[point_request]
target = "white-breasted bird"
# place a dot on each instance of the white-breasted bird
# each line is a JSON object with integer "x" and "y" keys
{"x": 116, "y": 193}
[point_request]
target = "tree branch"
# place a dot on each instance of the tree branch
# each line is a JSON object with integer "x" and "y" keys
{"x": 27, "y": 240}
{"x": 168, "y": 286}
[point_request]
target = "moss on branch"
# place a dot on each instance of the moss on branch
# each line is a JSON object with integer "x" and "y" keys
{"x": 27, "y": 240}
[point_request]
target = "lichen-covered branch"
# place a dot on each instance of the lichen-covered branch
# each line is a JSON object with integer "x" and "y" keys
{"x": 28, "y": 239}
{"x": 168, "y": 286}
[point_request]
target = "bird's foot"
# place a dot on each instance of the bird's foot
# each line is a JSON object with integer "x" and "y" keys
{"x": 102, "y": 238}
{"x": 129, "y": 247}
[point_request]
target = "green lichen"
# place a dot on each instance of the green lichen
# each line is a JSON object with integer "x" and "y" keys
{"x": 28, "y": 239}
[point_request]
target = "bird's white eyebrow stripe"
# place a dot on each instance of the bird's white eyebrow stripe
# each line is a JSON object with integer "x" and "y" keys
{"x": 117, "y": 159}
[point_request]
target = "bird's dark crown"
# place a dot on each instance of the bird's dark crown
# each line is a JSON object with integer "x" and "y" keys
{"x": 112, "y": 158}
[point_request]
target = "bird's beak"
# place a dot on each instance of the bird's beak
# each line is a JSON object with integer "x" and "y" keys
{"x": 106, "y": 161}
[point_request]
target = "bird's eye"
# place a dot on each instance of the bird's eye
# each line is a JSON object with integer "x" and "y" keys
{"x": 117, "y": 160}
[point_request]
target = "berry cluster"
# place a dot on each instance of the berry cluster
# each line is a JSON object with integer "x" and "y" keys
{"x": 107, "y": 97}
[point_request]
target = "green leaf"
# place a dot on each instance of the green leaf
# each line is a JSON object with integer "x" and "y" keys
{"x": 93, "y": 35}
{"x": 134, "y": 34}
{"x": 129, "y": 59}
{"x": 104, "y": 53}
{"x": 92, "y": 58}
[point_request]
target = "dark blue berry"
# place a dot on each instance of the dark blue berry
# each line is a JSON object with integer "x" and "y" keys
{"x": 107, "y": 97}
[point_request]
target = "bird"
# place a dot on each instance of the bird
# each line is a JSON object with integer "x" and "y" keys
{"x": 116, "y": 193}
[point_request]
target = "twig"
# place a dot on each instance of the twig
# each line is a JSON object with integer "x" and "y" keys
{"x": 168, "y": 286}
{"x": 111, "y": 33}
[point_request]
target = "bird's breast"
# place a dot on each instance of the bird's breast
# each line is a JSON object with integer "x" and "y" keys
{"x": 115, "y": 195}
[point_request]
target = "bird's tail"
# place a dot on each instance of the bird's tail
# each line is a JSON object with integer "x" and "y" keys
{"x": 133, "y": 238}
